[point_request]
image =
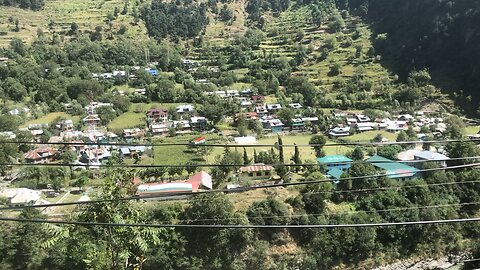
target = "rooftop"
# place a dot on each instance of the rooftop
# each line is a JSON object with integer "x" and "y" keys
{"x": 333, "y": 159}
{"x": 393, "y": 169}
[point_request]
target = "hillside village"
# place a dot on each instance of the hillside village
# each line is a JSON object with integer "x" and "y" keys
{"x": 237, "y": 135}
{"x": 93, "y": 143}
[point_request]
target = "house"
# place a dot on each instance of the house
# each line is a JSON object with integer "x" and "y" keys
{"x": 198, "y": 123}
{"x": 312, "y": 120}
{"x": 298, "y": 124}
{"x": 405, "y": 117}
{"x": 246, "y": 105}
{"x": 295, "y": 105}
{"x": 256, "y": 172}
{"x": 181, "y": 125}
{"x": 152, "y": 71}
{"x": 274, "y": 125}
{"x": 365, "y": 126}
{"x": 157, "y": 116}
{"x": 91, "y": 120}
{"x": 339, "y": 131}
{"x": 393, "y": 169}
{"x": 40, "y": 155}
{"x": 131, "y": 133}
{"x": 94, "y": 155}
{"x": 335, "y": 162}
{"x": 159, "y": 129}
{"x": 140, "y": 92}
{"x": 362, "y": 118}
{"x": 65, "y": 125}
{"x": 258, "y": 99}
{"x": 184, "y": 108}
{"x": 246, "y": 92}
{"x": 245, "y": 140}
{"x": 95, "y": 105}
{"x": 232, "y": 93}
{"x": 20, "y": 196}
{"x": 19, "y": 111}
{"x": 261, "y": 109}
{"x": 8, "y": 134}
{"x": 274, "y": 107}
{"x": 432, "y": 156}
{"x": 119, "y": 73}
{"x": 197, "y": 182}
{"x": 132, "y": 151}
{"x": 248, "y": 116}
{"x": 200, "y": 180}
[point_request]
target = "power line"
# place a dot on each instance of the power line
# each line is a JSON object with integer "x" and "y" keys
{"x": 339, "y": 212}
{"x": 199, "y": 165}
{"x": 247, "y": 226}
{"x": 166, "y": 196}
{"x": 241, "y": 189}
{"x": 235, "y": 145}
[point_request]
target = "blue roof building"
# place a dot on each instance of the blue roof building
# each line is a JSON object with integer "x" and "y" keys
{"x": 335, "y": 161}
{"x": 393, "y": 169}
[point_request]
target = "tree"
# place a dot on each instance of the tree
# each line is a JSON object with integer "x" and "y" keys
{"x": 318, "y": 142}
{"x": 315, "y": 195}
{"x": 337, "y": 23}
{"x": 286, "y": 115}
{"x": 389, "y": 151}
{"x": 246, "y": 160}
{"x": 357, "y": 154}
{"x": 216, "y": 248}
{"x": 268, "y": 212}
{"x": 280, "y": 150}
{"x": 455, "y": 127}
{"x": 123, "y": 246}
{"x": 461, "y": 150}
{"x": 255, "y": 157}
{"x": 296, "y": 157}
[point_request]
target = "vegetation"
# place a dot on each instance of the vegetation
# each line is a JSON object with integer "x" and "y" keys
{"x": 324, "y": 55}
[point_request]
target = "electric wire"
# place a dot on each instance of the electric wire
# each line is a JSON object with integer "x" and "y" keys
{"x": 151, "y": 144}
{"x": 247, "y": 226}
{"x": 200, "y": 165}
{"x": 255, "y": 187}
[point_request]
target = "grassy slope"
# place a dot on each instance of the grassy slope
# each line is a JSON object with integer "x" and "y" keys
{"x": 57, "y": 16}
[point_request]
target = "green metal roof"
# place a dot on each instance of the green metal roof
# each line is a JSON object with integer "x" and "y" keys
{"x": 335, "y": 173}
{"x": 333, "y": 159}
{"x": 393, "y": 169}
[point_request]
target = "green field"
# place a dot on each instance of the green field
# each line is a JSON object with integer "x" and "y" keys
{"x": 135, "y": 117}
{"x": 369, "y": 135}
{"x": 470, "y": 130}
{"x": 49, "y": 118}
{"x": 179, "y": 154}
{"x": 127, "y": 120}
{"x": 306, "y": 152}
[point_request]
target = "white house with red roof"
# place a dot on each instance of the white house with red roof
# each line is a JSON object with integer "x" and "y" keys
{"x": 256, "y": 172}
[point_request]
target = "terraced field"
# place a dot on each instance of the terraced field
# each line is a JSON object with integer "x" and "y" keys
{"x": 58, "y": 15}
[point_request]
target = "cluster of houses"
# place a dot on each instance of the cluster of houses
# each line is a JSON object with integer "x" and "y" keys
{"x": 357, "y": 122}
{"x": 159, "y": 121}
{"x": 124, "y": 74}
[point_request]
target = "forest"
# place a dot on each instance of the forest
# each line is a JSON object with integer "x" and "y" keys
{"x": 28, "y": 4}
{"x": 442, "y": 36}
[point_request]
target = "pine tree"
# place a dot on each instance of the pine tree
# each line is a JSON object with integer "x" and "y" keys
{"x": 296, "y": 157}
{"x": 246, "y": 161}
{"x": 255, "y": 157}
{"x": 280, "y": 150}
